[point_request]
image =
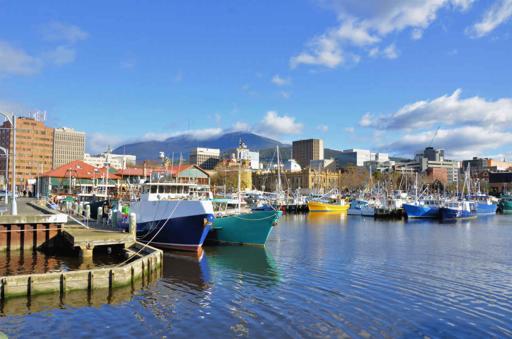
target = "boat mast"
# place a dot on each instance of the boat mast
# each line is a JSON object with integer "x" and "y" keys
{"x": 278, "y": 171}
{"x": 416, "y": 186}
{"x": 239, "y": 181}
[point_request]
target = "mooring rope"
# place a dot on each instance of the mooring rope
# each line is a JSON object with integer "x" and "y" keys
{"x": 153, "y": 238}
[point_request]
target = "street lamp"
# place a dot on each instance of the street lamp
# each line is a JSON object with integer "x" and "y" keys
{"x": 12, "y": 119}
{"x": 6, "y": 172}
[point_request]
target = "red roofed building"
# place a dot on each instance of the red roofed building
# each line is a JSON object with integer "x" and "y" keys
{"x": 79, "y": 178}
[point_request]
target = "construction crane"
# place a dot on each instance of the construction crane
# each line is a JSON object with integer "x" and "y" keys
{"x": 435, "y": 135}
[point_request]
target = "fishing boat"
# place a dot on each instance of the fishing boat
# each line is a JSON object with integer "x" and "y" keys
{"x": 328, "y": 203}
{"x": 251, "y": 228}
{"x": 425, "y": 208}
{"x": 505, "y": 204}
{"x": 458, "y": 210}
{"x": 356, "y": 207}
{"x": 485, "y": 205}
{"x": 422, "y": 208}
{"x": 172, "y": 214}
{"x": 239, "y": 225}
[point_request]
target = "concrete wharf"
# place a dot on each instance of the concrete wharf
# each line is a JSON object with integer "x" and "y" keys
{"x": 37, "y": 227}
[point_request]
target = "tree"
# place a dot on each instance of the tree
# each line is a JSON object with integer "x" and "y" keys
{"x": 354, "y": 178}
{"x": 226, "y": 174}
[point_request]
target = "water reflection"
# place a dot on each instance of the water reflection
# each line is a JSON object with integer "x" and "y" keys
{"x": 254, "y": 261}
{"x": 26, "y": 262}
{"x": 74, "y": 299}
{"x": 326, "y": 218}
{"x": 187, "y": 269}
{"x": 321, "y": 275}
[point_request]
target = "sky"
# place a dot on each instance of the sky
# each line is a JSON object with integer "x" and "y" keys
{"x": 387, "y": 75}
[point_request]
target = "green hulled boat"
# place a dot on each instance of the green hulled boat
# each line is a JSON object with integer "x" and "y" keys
{"x": 251, "y": 228}
{"x": 505, "y": 205}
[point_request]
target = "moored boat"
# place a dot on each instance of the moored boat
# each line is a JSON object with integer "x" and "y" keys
{"x": 173, "y": 215}
{"x": 505, "y": 204}
{"x": 427, "y": 208}
{"x": 328, "y": 205}
{"x": 356, "y": 207}
{"x": 250, "y": 228}
{"x": 485, "y": 205}
{"x": 458, "y": 210}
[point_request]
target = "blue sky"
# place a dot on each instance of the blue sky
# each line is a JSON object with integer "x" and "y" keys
{"x": 375, "y": 74}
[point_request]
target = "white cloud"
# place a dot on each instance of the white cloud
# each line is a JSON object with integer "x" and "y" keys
{"x": 323, "y": 50}
{"x": 459, "y": 143}
{"x": 285, "y": 94}
{"x": 497, "y": 14}
{"x": 322, "y": 127}
{"x": 98, "y": 142}
{"x": 62, "y": 32}
{"x": 241, "y": 126}
{"x": 416, "y": 34}
{"x": 468, "y": 127}
{"x": 444, "y": 110}
{"x": 389, "y": 52}
{"x": 350, "y": 130}
{"x": 15, "y": 61}
{"x": 274, "y": 124}
{"x": 280, "y": 81}
{"x": 366, "y": 23}
{"x": 60, "y": 55}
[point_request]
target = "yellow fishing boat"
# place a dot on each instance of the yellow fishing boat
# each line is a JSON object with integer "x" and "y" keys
{"x": 327, "y": 205}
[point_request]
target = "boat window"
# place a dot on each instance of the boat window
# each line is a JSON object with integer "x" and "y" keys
{"x": 153, "y": 189}
{"x": 167, "y": 189}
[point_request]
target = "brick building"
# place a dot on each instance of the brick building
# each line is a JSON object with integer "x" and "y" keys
{"x": 34, "y": 150}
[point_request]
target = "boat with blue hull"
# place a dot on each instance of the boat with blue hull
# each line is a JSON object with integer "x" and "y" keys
{"x": 173, "y": 215}
{"x": 356, "y": 207}
{"x": 458, "y": 210}
{"x": 428, "y": 209}
{"x": 485, "y": 205}
{"x": 483, "y": 208}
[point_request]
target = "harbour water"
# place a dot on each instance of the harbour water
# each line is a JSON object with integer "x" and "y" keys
{"x": 320, "y": 275}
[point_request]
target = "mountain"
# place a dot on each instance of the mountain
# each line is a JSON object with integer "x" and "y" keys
{"x": 149, "y": 150}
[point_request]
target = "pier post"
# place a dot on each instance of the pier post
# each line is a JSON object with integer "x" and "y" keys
{"x": 99, "y": 216}
{"x": 87, "y": 213}
{"x": 114, "y": 218}
{"x": 86, "y": 251}
{"x": 133, "y": 226}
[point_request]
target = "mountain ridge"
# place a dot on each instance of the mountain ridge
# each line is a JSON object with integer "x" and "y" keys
{"x": 149, "y": 150}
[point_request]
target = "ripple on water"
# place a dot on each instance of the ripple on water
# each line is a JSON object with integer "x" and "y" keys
{"x": 318, "y": 277}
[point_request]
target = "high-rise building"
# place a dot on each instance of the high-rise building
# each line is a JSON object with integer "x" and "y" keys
{"x": 206, "y": 158}
{"x": 68, "y": 145}
{"x": 34, "y": 150}
{"x": 358, "y": 157}
{"x": 306, "y": 150}
{"x": 117, "y": 161}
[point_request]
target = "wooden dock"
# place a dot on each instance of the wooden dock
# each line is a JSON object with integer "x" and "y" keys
{"x": 88, "y": 238}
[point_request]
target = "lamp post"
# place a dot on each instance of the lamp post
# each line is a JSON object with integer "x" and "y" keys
{"x": 12, "y": 119}
{"x": 6, "y": 172}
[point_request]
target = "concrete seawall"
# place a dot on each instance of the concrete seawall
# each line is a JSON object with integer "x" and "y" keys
{"x": 148, "y": 263}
